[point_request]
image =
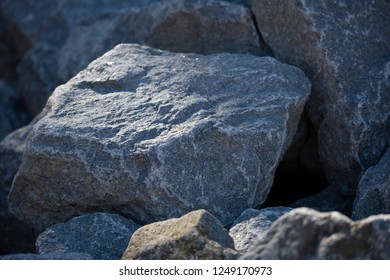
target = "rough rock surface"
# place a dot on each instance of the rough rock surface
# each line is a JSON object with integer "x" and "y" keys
{"x": 304, "y": 233}
{"x": 76, "y": 34}
{"x": 252, "y": 224}
{"x": 143, "y": 127}
{"x": 52, "y": 256}
{"x": 373, "y": 193}
{"x": 350, "y": 104}
{"x": 194, "y": 236}
{"x": 101, "y": 235}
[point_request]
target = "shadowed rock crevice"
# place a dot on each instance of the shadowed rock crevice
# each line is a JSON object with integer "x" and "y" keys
{"x": 299, "y": 174}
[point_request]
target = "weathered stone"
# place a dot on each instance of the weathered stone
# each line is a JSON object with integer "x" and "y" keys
{"x": 77, "y": 33}
{"x": 10, "y": 117}
{"x": 53, "y": 256}
{"x": 101, "y": 235}
{"x": 252, "y": 224}
{"x": 15, "y": 236}
{"x": 373, "y": 193}
{"x": 194, "y": 236}
{"x": 142, "y": 127}
{"x": 304, "y": 233}
{"x": 343, "y": 48}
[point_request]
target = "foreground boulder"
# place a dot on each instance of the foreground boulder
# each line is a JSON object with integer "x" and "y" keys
{"x": 252, "y": 224}
{"x": 194, "y": 236}
{"x": 304, "y": 233}
{"x": 77, "y": 33}
{"x": 101, "y": 235}
{"x": 373, "y": 193}
{"x": 343, "y": 48}
{"x": 142, "y": 127}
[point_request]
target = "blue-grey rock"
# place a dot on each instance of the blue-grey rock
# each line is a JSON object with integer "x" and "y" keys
{"x": 103, "y": 236}
{"x": 252, "y": 224}
{"x": 11, "y": 117}
{"x": 343, "y": 48}
{"x": 307, "y": 234}
{"x": 65, "y": 36}
{"x": 373, "y": 192}
{"x": 142, "y": 127}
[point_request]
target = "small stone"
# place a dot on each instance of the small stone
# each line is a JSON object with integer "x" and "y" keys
{"x": 195, "y": 236}
{"x": 103, "y": 236}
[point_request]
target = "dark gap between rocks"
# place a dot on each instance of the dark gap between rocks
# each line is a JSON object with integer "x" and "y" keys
{"x": 300, "y": 175}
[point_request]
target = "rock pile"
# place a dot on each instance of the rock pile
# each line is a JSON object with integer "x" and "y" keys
{"x": 172, "y": 129}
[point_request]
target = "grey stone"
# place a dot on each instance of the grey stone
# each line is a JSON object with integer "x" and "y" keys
{"x": 325, "y": 201}
{"x": 252, "y": 224}
{"x": 343, "y": 48}
{"x": 53, "y": 256}
{"x": 142, "y": 127}
{"x": 373, "y": 192}
{"x": 195, "y": 236}
{"x": 101, "y": 235}
{"x": 10, "y": 117}
{"x": 201, "y": 26}
{"x": 304, "y": 233}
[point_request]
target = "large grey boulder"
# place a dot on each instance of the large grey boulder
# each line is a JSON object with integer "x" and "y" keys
{"x": 101, "y": 235}
{"x": 304, "y": 233}
{"x": 77, "y": 33}
{"x": 343, "y": 47}
{"x": 252, "y": 224}
{"x": 373, "y": 192}
{"x": 154, "y": 135}
{"x": 195, "y": 236}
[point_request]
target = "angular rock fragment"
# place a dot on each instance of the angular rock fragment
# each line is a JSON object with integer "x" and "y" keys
{"x": 304, "y": 233}
{"x": 194, "y": 236}
{"x": 152, "y": 135}
{"x": 373, "y": 192}
{"x": 343, "y": 48}
{"x": 101, "y": 235}
{"x": 252, "y": 224}
{"x": 77, "y": 33}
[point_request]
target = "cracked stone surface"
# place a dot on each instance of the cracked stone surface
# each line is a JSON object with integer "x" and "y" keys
{"x": 153, "y": 135}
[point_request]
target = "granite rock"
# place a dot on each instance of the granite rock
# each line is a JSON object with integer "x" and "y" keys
{"x": 252, "y": 224}
{"x": 194, "y": 236}
{"x": 373, "y": 192}
{"x": 103, "y": 236}
{"x": 304, "y": 233}
{"x": 343, "y": 48}
{"x": 143, "y": 127}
